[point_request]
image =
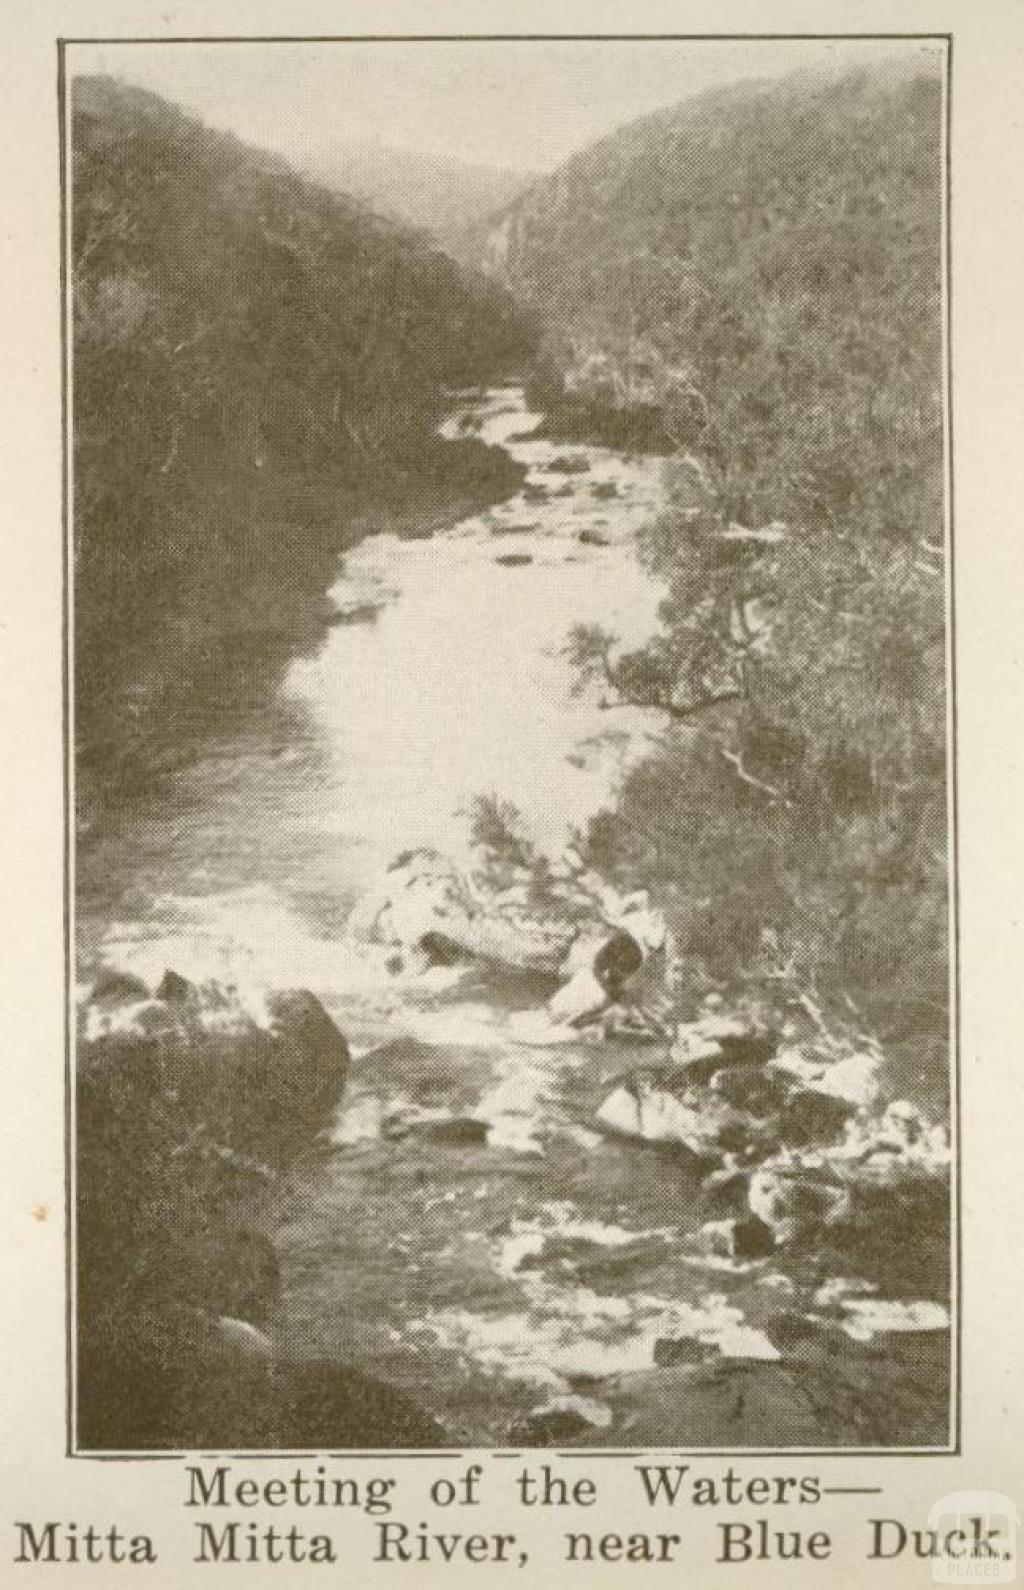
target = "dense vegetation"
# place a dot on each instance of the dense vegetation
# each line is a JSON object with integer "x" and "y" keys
{"x": 257, "y": 362}
{"x": 759, "y": 270}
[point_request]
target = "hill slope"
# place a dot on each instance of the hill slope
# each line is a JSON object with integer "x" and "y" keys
{"x": 777, "y": 244}
{"x": 446, "y": 197}
{"x": 752, "y": 280}
{"x": 256, "y": 360}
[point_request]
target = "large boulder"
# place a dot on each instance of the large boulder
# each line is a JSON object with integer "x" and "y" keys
{"x": 259, "y": 1073}
{"x": 653, "y": 1106}
{"x": 600, "y": 970}
{"x": 182, "y": 1379}
{"x": 427, "y": 910}
{"x": 557, "y": 921}
{"x": 191, "y": 1102}
{"x": 871, "y": 1191}
{"x": 851, "y": 1077}
{"x": 893, "y": 1392}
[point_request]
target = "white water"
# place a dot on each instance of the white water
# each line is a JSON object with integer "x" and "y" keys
{"x": 536, "y": 1257}
{"x": 446, "y": 681}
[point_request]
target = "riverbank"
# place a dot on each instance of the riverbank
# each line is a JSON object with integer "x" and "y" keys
{"x": 214, "y": 641}
{"x": 197, "y": 1106}
{"x": 508, "y": 1231}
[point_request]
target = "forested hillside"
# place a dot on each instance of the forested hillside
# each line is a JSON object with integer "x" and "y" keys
{"x": 640, "y": 1132}
{"x": 752, "y": 280}
{"x": 257, "y": 361}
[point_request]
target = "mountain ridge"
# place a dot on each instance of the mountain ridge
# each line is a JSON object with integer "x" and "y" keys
{"x": 257, "y": 360}
{"x": 443, "y": 195}
{"x": 779, "y": 240}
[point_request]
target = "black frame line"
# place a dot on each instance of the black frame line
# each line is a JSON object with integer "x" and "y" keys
{"x": 66, "y": 752}
{"x": 955, "y": 1448}
{"x": 499, "y": 38}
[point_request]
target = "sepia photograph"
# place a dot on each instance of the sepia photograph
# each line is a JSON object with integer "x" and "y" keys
{"x": 508, "y": 721}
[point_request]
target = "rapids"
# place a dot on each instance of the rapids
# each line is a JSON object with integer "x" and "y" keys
{"x": 469, "y": 1236}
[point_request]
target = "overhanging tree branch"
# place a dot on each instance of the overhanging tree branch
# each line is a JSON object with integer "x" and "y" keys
{"x": 679, "y": 711}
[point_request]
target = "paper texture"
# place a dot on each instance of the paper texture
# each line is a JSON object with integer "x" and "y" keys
{"x": 510, "y": 835}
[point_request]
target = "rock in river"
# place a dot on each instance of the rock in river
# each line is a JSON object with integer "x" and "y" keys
{"x": 796, "y": 1203}
{"x": 192, "y": 1099}
{"x": 181, "y": 1379}
{"x": 259, "y": 1073}
{"x": 425, "y": 901}
{"x": 648, "y": 1106}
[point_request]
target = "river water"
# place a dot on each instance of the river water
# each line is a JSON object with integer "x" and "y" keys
{"x": 442, "y": 679}
{"x": 469, "y": 1236}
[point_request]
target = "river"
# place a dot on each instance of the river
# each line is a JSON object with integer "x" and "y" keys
{"x": 520, "y": 1260}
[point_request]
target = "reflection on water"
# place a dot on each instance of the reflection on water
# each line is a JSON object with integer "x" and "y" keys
{"x": 442, "y": 680}
{"x": 426, "y": 1255}
{"x": 468, "y": 1235}
{"x": 456, "y": 684}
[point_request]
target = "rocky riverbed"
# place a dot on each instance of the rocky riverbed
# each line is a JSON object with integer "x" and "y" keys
{"x": 520, "y": 1201}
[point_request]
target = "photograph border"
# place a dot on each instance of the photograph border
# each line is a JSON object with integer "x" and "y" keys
{"x": 955, "y": 1409}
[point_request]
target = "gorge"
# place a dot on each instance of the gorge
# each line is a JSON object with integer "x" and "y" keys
{"x": 432, "y": 630}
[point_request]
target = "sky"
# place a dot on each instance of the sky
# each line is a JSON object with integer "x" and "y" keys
{"x": 526, "y": 105}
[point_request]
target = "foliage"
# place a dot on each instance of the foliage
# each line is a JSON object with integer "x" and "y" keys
{"x": 781, "y": 245}
{"x": 496, "y": 827}
{"x": 240, "y": 335}
{"x": 779, "y": 242}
